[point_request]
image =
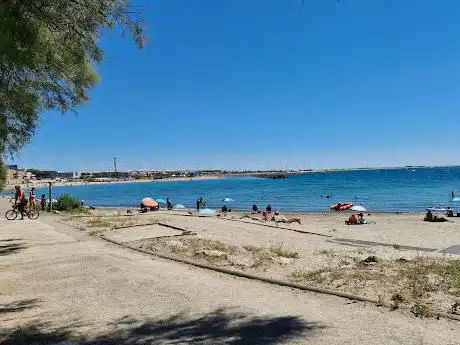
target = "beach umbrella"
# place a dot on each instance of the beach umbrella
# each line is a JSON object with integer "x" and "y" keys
{"x": 437, "y": 209}
{"x": 149, "y": 202}
{"x": 207, "y": 212}
{"x": 160, "y": 201}
{"x": 456, "y": 199}
{"x": 179, "y": 207}
{"x": 228, "y": 200}
{"x": 358, "y": 208}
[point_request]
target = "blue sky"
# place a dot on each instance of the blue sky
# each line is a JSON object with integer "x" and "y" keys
{"x": 259, "y": 84}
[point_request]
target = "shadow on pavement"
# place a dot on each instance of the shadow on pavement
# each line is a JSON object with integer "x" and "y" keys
{"x": 18, "y": 306}
{"x": 10, "y": 248}
{"x": 218, "y": 327}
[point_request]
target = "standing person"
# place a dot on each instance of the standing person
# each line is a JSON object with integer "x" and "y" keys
{"x": 169, "y": 204}
{"x": 198, "y": 204}
{"x": 20, "y": 200}
{"x": 269, "y": 208}
{"x": 32, "y": 199}
{"x": 43, "y": 202}
{"x": 264, "y": 216}
{"x": 255, "y": 209}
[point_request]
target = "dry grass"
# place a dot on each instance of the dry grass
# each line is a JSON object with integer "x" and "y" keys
{"x": 98, "y": 223}
{"x": 251, "y": 248}
{"x": 317, "y": 276}
{"x": 278, "y": 250}
{"x": 413, "y": 284}
{"x": 425, "y": 275}
{"x": 327, "y": 252}
{"x": 112, "y": 222}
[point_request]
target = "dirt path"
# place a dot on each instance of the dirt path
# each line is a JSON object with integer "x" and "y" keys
{"x": 57, "y": 283}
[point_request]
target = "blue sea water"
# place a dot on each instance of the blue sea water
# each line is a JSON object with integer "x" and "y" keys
{"x": 385, "y": 190}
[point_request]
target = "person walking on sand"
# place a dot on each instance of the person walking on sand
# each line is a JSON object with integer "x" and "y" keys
{"x": 198, "y": 204}
{"x": 169, "y": 204}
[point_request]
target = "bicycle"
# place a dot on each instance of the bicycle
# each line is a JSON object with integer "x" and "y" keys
{"x": 12, "y": 214}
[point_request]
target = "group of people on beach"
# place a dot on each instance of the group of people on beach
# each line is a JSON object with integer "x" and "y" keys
{"x": 201, "y": 203}
{"x": 353, "y": 220}
{"x": 144, "y": 208}
{"x": 21, "y": 201}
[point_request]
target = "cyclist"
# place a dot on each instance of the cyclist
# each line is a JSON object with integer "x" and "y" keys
{"x": 20, "y": 200}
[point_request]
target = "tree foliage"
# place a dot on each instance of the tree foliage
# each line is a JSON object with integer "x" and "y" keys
{"x": 3, "y": 175}
{"x": 47, "y": 52}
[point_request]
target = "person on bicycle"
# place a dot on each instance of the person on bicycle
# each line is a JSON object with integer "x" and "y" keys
{"x": 20, "y": 200}
{"x": 32, "y": 199}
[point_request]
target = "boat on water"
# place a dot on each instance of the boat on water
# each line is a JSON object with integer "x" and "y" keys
{"x": 342, "y": 206}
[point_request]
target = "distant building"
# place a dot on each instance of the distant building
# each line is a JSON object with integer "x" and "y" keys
{"x": 104, "y": 174}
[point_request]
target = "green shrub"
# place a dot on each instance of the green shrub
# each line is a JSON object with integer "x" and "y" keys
{"x": 67, "y": 203}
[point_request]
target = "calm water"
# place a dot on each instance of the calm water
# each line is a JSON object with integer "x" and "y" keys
{"x": 377, "y": 190}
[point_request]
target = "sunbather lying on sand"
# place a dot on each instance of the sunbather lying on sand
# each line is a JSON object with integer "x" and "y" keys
{"x": 276, "y": 219}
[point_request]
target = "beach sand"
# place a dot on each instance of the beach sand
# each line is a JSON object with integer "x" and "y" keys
{"x": 322, "y": 251}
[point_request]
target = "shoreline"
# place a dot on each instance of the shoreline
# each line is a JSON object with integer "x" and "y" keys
{"x": 240, "y": 212}
{"x": 44, "y": 183}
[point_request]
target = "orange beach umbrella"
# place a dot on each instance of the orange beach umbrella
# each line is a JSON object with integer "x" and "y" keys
{"x": 149, "y": 202}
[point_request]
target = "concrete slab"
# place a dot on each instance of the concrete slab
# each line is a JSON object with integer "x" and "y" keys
{"x": 455, "y": 249}
{"x": 140, "y": 232}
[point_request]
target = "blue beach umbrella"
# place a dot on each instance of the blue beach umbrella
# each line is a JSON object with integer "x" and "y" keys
{"x": 228, "y": 200}
{"x": 207, "y": 212}
{"x": 160, "y": 201}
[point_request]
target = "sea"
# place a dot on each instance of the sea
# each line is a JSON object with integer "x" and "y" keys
{"x": 382, "y": 190}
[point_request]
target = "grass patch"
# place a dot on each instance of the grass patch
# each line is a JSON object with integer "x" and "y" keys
{"x": 327, "y": 252}
{"x": 316, "y": 276}
{"x": 98, "y": 223}
{"x": 111, "y": 222}
{"x": 426, "y": 275}
{"x": 278, "y": 250}
{"x": 251, "y": 248}
{"x": 419, "y": 310}
{"x": 78, "y": 211}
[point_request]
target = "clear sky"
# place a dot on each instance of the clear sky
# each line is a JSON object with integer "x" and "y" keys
{"x": 249, "y": 84}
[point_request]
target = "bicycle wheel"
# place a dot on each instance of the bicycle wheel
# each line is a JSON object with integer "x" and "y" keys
{"x": 11, "y": 214}
{"x": 33, "y": 213}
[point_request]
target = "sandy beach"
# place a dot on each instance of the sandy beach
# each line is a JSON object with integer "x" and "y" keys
{"x": 69, "y": 183}
{"x": 64, "y": 284}
{"x": 399, "y": 257}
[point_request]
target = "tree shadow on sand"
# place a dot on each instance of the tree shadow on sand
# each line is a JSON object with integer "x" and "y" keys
{"x": 7, "y": 247}
{"x": 18, "y": 306}
{"x": 218, "y": 327}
